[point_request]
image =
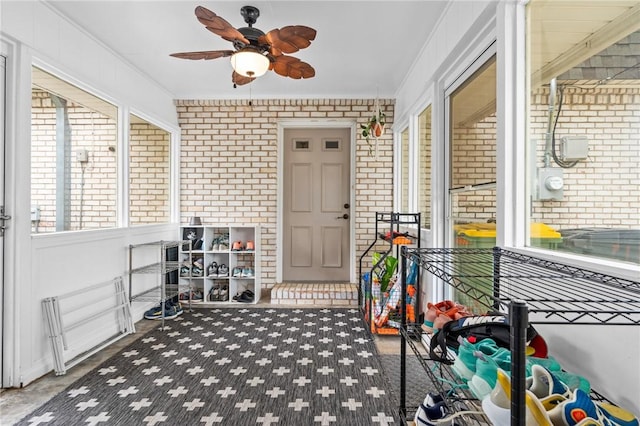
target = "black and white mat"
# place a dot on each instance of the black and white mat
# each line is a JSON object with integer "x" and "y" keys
{"x": 236, "y": 367}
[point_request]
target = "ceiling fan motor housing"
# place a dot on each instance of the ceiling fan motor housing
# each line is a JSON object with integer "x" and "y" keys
{"x": 250, "y": 14}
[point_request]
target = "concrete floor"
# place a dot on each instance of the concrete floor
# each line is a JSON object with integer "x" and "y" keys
{"x": 17, "y": 403}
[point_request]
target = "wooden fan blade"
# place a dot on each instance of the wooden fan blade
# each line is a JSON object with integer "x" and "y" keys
{"x": 288, "y": 66}
{"x": 207, "y": 54}
{"x": 218, "y": 25}
{"x": 288, "y": 39}
{"x": 240, "y": 79}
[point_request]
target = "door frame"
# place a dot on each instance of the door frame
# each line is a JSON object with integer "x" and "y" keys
{"x": 302, "y": 124}
{"x": 9, "y": 321}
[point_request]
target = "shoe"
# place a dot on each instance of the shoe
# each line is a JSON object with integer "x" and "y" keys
{"x": 212, "y": 270}
{"x": 497, "y": 405}
{"x": 215, "y": 244}
{"x": 581, "y": 410}
{"x": 432, "y": 313}
{"x": 247, "y": 272}
{"x": 196, "y": 272}
{"x": 199, "y": 263}
{"x": 224, "y": 295}
{"x": 425, "y": 414}
{"x": 246, "y": 296}
{"x": 250, "y": 246}
{"x": 197, "y": 296}
{"x": 464, "y": 365}
{"x": 442, "y": 312}
{"x": 237, "y": 272}
{"x": 214, "y": 293}
{"x": 486, "y": 374}
{"x": 237, "y": 246}
{"x": 171, "y": 310}
{"x": 185, "y": 271}
{"x": 223, "y": 270}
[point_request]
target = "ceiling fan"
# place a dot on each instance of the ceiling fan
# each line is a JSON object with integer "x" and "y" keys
{"x": 256, "y": 52}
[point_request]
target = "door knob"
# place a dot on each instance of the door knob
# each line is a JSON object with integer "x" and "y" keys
{"x": 346, "y": 205}
{"x": 344, "y": 216}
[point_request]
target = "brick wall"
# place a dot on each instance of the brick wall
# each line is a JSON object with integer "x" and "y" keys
{"x": 149, "y": 174}
{"x": 602, "y": 191}
{"x": 424, "y": 165}
{"x": 473, "y": 160}
{"x": 91, "y": 131}
{"x": 229, "y": 164}
{"x": 96, "y": 133}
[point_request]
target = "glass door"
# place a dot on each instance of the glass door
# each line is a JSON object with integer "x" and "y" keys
{"x": 471, "y": 139}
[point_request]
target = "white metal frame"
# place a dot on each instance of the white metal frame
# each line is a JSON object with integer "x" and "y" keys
{"x": 59, "y": 322}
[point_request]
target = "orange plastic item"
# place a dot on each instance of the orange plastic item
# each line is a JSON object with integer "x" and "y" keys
{"x": 401, "y": 241}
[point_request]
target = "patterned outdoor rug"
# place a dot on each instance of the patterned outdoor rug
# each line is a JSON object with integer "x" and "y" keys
{"x": 236, "y": 367}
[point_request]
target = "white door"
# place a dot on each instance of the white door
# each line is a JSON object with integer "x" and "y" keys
{"x": 316, "y": 210}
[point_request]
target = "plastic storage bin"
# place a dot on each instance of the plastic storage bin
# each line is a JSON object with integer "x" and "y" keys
{"x": 620, "y": 244}
{"x": 483, "y": 235}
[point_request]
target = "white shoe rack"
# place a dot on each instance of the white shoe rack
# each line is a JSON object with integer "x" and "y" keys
{"x": 215, "y": 287}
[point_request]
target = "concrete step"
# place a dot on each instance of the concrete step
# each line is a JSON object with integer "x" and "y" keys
{"x": 317, "y": 294}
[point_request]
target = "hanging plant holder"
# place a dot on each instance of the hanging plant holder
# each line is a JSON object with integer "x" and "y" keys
{"x": 374, "y": 128}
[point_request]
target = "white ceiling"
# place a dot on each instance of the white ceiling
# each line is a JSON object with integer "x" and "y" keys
{"x": 363, "y": 49}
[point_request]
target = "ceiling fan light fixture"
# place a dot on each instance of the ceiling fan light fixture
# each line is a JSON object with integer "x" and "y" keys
{"x": 250, "y": 63}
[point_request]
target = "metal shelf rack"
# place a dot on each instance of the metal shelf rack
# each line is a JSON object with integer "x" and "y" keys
{"x": 154, "y": 258}
{"x": 531, "y": 290}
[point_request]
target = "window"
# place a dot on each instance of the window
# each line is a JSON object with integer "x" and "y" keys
{"x": 149, "y": 173}
{"x": 404, "y": 171}
{"x": 424, "y": 166}
{"x": 583, "y": 117}
{"x": 472, "y": 147}
{"x": 73, "y": 157}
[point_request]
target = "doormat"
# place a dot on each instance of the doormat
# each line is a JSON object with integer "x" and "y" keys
{"x": 236, "y": 367}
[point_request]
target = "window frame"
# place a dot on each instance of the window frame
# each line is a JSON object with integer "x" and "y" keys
{"x": 124, "y": 110}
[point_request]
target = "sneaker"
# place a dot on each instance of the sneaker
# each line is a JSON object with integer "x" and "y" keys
{"x": 199, "y": 263}
{"x": 432, "y": 399}
{"x": 171, "y": 310}
{"x": 247, "y": 272}
{"x": 223, "y": 270}
{"x": 581, "y": 410}
{"x": 442, "y": 312}
{"x": 196, "y": 272}
{"x": 214, "y": 293}
{"x": 486, "y": 374}
{"x": 237, "y": 272}
{"x": 246, "y": 296}
{"x": 224, "y": 295}
{"x": 464, "y": 365}
{"x": 497, "y": 405}
{"x": 426, "y": 414}
{"x": 212, "y": 269}
{"x": 197, "y": 296}
{"x": 250, "y": 246}
{"x": 432, "y": 313}
{"x": 237, "y": 246}
{"x": 185, "y": 271}
{"x": 215, "y": 244}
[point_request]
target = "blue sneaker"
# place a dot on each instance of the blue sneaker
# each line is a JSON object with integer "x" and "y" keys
{"x": 580, "y": 409}
{"x": 171, "y": 310}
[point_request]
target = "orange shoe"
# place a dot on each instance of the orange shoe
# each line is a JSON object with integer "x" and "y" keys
{"x": 250, "y": 246}
{"x": 434, "y": 310}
